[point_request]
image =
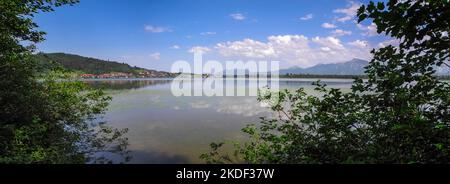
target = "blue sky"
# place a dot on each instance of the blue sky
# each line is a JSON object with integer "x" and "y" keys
{"x": 154, "y": 34}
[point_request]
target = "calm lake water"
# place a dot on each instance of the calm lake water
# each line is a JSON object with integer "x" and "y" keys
{"x": 168, "y": 129}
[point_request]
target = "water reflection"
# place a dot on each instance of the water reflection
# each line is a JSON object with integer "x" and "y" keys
{"x": 168, "y": 129}
{"x": 120, "y": 84}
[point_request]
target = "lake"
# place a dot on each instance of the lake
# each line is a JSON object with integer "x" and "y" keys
{"x": 164, "y": 128}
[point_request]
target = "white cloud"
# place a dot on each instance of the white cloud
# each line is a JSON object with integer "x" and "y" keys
{"x": 175, "y": 47}
{"x": 156, "y": 29}
{"x": 370, "y": 30}
{"x": 247, "y": 47}
{"x": 293, "y": 50}
{"x": 237, "y": 16}
{"x": 348, "y": 12}
{"x": 340, "y": 32}
{"x": 393, "y": 42}
{"x": 344, "y": 18}
{"x": 207, "y": 33}
{"x": 328, "y": 25}
{"x": 331, "y": 42}
{"x": 359, "y": 43}
{"x": 155, "y": 56}
{"x": 326, "y": 49}
{"x": 307, "y": 17}
{"x": 199, "y": 49}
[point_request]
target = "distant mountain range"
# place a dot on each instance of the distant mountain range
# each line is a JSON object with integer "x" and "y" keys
{"x": 97, "y": 68}
{"x": 353, "y": 67}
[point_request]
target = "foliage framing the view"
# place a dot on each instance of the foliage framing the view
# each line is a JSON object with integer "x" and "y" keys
{"x": 400, "y": 114}
{"x": 46, "y": 118}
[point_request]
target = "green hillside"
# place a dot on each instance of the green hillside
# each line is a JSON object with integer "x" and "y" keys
{"x": 83, "y": 64}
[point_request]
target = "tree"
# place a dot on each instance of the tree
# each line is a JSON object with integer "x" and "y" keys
{"x": 401, "y": 114}
{"x": 46, "y": 118}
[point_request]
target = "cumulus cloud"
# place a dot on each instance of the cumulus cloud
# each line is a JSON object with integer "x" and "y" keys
{"x": 307, "y": 17}
{"x": 326, "y": 49}
{"x": 293, "y": 50}
{"x": 155, "y": 56}
{"x": 175, "y": 47}
{"x": 340, "y": 32}
{"x": 156, "y": 29}
{"x": 350, "y": 10}
{"x": 331, "y": 42}
{"x": 199, "y": 49}
{"x": 359, "y": 43}
{"x": 247, "y": 48}
{"x": 328, "y": 25}
{"x": 237, "y": 16}
{"x": 370, "y": 30}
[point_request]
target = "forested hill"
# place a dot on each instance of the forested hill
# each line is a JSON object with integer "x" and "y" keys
{"x": 85, "y": 64}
